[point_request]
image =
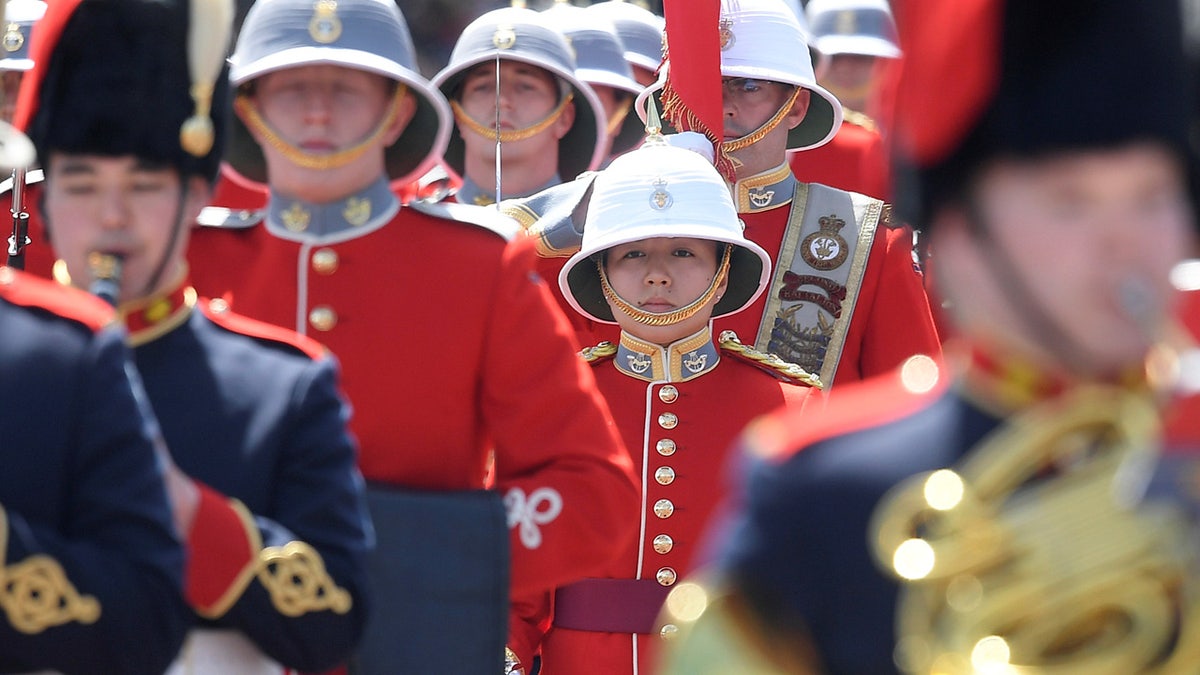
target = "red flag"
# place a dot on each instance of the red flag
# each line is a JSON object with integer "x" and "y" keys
{"x": 691, "y": 96}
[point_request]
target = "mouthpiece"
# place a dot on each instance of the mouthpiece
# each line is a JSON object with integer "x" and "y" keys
{"x": 106, "y": 271}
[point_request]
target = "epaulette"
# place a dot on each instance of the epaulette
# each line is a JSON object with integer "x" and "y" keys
{"x": 229, "y": 219}
{"x": 32, "y": 177}
{"x": 27, "y": 290}
{"x": 859, "y": 120}
{"x": 601, "y": 352}
{"x": 484, "y": 217}
{"x": 219, "y": 313}
{"x": 729, "y": 342}
{"x": 554, "y": 216}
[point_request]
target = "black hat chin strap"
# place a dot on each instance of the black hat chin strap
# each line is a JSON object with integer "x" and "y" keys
{"x": 1036, "y": 319}
{"x": 177, "y": 226}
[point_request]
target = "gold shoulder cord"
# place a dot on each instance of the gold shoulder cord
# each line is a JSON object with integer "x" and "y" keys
{"x": 36, "y": 593}
{"x": 729, "y": 341}
{"x": 1034, "y": 555}
{"x": 601, "y": 350}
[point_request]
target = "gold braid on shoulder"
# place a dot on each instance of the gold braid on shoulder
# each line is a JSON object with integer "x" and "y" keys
{"x": 729, "y": 342}
{"x": 600, "y": 351}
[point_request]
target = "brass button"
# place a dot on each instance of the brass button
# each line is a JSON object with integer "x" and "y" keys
{"x": 668, "y": 420}
{"x": 668, "y": 394}
{"x": 325, "y": 261}
{"x": 663, "y": 543}
{"x": 666, "y": 576}
{"x": 665, "y": 447}
{"x": 322, "y": 318}
{"x": 663, "y": 508}
{"x": 218, "y": 306}
{"x": 665, "y": 475}
{"x": 668, "y": 631}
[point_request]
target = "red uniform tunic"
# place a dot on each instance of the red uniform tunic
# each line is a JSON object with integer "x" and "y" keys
{"x": 855, "y": 160}
{"x": 678, "y": 417}
{"x": 450, "y": 348}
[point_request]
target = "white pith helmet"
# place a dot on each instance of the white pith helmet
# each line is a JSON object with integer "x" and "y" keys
{"x": 660, "y": 190}
{"x": 854, "y": 27}
{"x": 763, "y": 40}
{"x": 519, "y": 34}
{"x": 368, "y": 35}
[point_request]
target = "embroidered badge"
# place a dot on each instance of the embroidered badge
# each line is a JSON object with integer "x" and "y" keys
{"x": 297, "y": 581}
{"x": 504, "y": 37}
{"x": 661, "y": 199}
{"x": 825, "y": 249}
{"x": 357, "y": 211}
{"x": 639, "y": 363}
{"x": 14, "y": 39}
{"x": 296, "y": 218}
{"x": 325, "y": 26}
{"x": 760, "y": 197}
{"x": 541, "y": 508}
{"x": 726, "y": 32}
{"x": 695, "y": 361}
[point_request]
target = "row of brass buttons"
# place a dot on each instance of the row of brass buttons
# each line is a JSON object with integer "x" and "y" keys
{"x": 665, "y": 475}
{"x": 324, "y": 261}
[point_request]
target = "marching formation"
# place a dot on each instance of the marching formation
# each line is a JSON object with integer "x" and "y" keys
{"x": 683, "y": 337}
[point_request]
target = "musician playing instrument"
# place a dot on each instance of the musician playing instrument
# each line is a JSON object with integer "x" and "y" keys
{"x": 986, "y": 515}
{"x": 262, "y": 469}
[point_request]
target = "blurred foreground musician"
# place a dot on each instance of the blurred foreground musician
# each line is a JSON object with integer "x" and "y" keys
{"x": 986, "y": 515}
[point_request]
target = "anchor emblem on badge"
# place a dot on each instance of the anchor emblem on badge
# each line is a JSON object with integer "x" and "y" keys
{"x": 726, "y": 33}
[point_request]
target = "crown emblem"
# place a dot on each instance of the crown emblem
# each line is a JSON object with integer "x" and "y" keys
{"x": 504, "y": 37}
{"x": 325, "y": 26}
{"x": 825, "y": 249}
{"x": 357, "y": 211}
{"x": 661, "y": 199}
{"x": 726, "y": 33}
{"x": 14, "y": 39}
{"x": 296, "y": 218}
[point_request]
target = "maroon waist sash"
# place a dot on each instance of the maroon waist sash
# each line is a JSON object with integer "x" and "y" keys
{"x": 610, "y": 605}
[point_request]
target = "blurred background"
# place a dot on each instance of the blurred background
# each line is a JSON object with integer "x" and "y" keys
{"x": 436, "y": 24}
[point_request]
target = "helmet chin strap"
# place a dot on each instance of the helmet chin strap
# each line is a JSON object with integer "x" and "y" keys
{"x": 667, "y": 318}
{"x": 300, "y": 157}
{"x": 730, "y": 147}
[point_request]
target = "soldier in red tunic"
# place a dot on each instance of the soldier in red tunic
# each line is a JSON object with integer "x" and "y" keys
{"x": 663, "y": 254}
{"x": 454, "y": 356}
{"x": 263, "y": 475}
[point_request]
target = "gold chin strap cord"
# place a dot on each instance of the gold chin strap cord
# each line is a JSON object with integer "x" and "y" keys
{"x": 767, "y": 127}
{"x": 666, "y": 318}
{"x": 512, "y": 134}
{"x": 254, "y": 119}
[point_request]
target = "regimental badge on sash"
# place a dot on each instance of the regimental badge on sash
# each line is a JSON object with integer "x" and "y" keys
{"x": 817, "y": 278}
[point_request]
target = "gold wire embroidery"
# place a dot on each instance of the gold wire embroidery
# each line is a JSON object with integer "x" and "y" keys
{"x": 36, "y": 595}
{"x": 295, "y": 576}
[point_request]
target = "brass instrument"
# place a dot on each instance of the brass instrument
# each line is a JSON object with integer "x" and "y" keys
{"x": 1035, "y": 554}
{"x": 106, "y": 269}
